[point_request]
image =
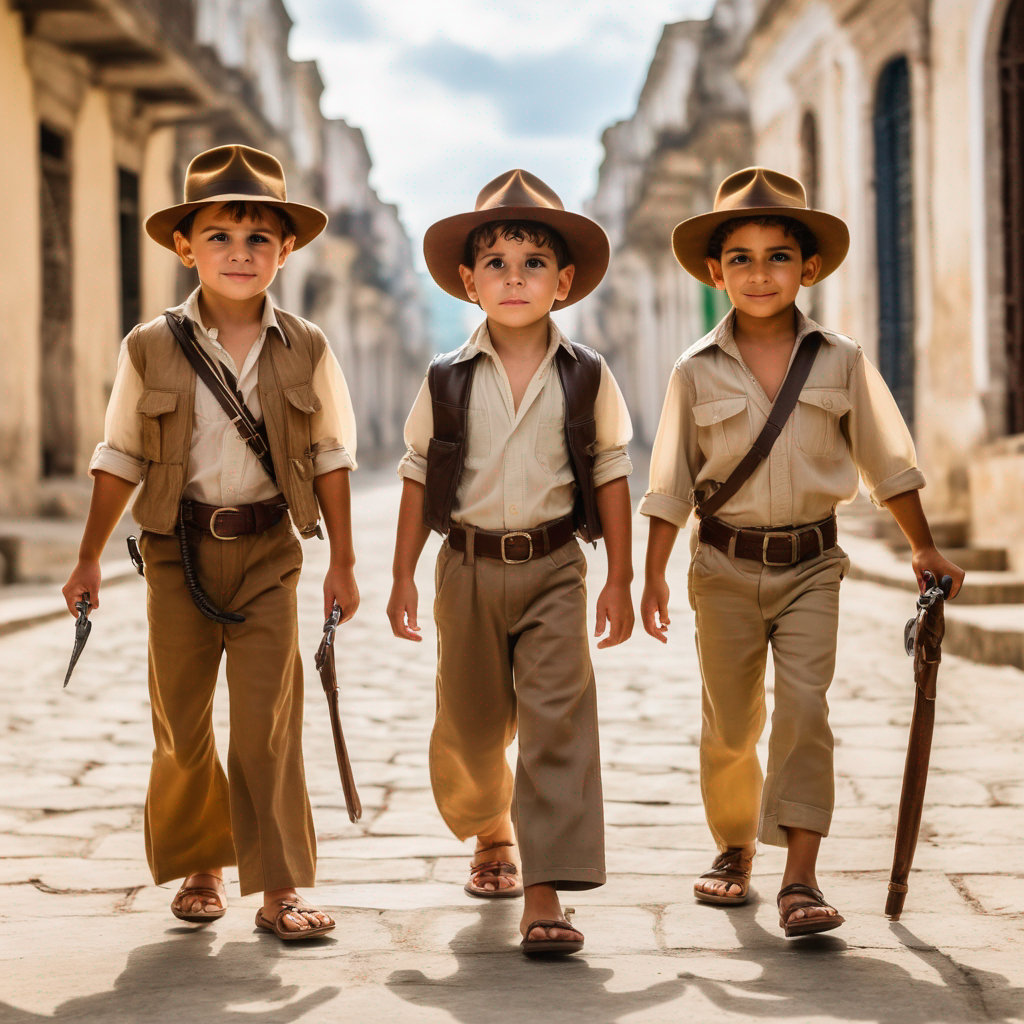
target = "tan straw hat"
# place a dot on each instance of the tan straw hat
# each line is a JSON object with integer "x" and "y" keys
{"x": 236, "y": 173}
{"x": 759, "y": 192}
{"x": 518, "y": 195}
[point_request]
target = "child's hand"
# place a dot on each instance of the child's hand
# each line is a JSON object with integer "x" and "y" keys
{"x": 930, "y": 560}
{"x": 402, "y": 610}
{"x": 614, "y": 610}
{"x": 84, "y": 578}
{"x": 654, "y": 608}
{"x": 340, "y": 586}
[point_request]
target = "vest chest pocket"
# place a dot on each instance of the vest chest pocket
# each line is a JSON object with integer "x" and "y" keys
{"x": 478, "y": 438}
{"x": 157, "y": 445}
{"x": 818, "y": 413}
{"x": 724, "y": 426}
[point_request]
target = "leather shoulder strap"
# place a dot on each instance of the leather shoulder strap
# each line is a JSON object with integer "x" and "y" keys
{"x": 450, "y": 383}
{"x": 785, "y": 403}
{"x": 581, "y": 380}
{"x": 252, "y": 433}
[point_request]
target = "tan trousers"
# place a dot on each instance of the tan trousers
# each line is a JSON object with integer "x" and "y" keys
{"x": 258, "y": 817}
{"x": 741, "y": 608}
{"x": 513, "y": 648}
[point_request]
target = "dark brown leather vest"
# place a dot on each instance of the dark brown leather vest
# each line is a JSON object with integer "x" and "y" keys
{"x": 450, "y": 383}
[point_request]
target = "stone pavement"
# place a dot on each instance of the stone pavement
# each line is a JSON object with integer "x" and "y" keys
{"x": 85, "y": 936}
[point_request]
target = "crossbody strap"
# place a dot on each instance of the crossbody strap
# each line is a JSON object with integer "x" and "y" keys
{"x": 785, "y": 403}
{"x": 252, "y": 433}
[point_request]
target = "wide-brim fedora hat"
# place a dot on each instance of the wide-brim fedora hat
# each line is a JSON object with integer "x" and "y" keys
{"x": 759, "y": 192}
{"x": 235, "y": 173}
{"x": 518, "y": 195}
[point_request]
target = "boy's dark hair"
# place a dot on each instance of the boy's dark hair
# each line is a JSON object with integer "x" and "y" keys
{"x": 238, "y": 210}
{"x": 797, "y": 230}
{"x": 532, "y": 231}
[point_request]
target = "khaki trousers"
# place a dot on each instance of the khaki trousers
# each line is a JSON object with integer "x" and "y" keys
{"x": 257, "y": 817}
{"x": 741, "y": 608}
{"x": 512, "y": 648}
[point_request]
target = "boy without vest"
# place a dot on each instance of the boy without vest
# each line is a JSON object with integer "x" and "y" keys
{"x": 516, "y": 441}
{"x": 222, "y": 561}
{"x": 765, "y": 567}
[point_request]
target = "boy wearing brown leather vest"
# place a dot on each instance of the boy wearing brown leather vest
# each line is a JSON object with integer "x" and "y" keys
{"x": 221, "y": 559}
{"x": 768, "y": 421}
{"x": 516, "y": 442}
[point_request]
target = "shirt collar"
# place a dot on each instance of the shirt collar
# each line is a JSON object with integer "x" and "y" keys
{"x": 480, "y": 342}
{"x": 269, "y": 320}
{"x": 723, "y": 336}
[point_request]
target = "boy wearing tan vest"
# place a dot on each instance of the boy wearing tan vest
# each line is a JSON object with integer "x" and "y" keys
{"x": 221, "y": 559}
{"x": 516, "y": 442}
{"x": 764, "y": 483}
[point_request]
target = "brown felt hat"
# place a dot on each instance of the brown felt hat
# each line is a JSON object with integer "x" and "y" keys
{"x": 236, "y": 173}
{"x": 759, "y": 192}
{"x": 518, "y": 195}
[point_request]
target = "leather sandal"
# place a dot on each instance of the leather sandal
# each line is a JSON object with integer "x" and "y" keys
{"x": 806, "y": 925}
{"x": 492, "y": 871}
{"x": 728, "y": 867}
{"x": 552, "y": 947}
{"x": 189, "y": 892}
{"x": 286, "y": 934}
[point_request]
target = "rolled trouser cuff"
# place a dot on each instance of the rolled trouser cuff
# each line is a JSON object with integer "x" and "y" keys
{"x": 566, "y": 879}
{"x": 772, "y": 830}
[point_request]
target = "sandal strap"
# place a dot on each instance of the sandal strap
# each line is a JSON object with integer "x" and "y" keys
{"x": 727, "y": 866}
{"x": 804, "y": 890}
{"x": 493, "y": 869}
{"x": 565, "y": 925}
{"x": 494, "y": 846}
{"x": 202, "y": 892}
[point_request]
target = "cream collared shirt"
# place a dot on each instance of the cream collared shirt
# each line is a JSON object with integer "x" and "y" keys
{"x": 846, "y": 424}
{"x": 517, "y": 472}
{"x": 221, "y": 468}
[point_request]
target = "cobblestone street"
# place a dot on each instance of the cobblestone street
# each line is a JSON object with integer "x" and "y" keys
{"x": 87, "y": 937}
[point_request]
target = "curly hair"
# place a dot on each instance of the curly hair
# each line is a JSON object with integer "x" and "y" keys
{"x": 795, "y": 229}
{"x": 516, "y": 231}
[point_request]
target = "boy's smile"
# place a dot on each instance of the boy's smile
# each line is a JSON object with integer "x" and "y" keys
{"x": 761, "y": 270}
{"x": 235, "y": 259}
{"x": 516, "y": 282}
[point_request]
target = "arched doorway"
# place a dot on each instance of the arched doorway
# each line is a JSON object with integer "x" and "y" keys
{"x": 894, "y": 206}
{"x": 1011, "y": 88}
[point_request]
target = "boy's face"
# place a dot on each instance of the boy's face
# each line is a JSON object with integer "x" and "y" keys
{"x": 516, "y": 283}
{"x": 237, "y": 260}
{"x": 761, "y": 270}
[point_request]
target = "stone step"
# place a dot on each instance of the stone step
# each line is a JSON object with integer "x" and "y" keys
{"x": 991, "y": 634}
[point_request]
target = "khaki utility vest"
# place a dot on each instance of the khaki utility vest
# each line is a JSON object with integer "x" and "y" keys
{"x": 285, "y": 382}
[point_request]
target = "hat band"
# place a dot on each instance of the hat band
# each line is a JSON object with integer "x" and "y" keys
{"x": 241, "y": 187}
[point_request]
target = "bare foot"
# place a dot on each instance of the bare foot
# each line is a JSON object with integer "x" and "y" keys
{"x": 542, "y": 905}
{"x": 737, "y": 858}
{"x": 801, "y": 897}
{"x": 299, "y": 920}
{"x": 492, "y": 847}
{"x": 196, "y": 904}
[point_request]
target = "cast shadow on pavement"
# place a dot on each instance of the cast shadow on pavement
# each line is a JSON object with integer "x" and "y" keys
{"x": 504, "y": 985}
{"x": 820, "y": 977}
{"x": 182, "y": 980}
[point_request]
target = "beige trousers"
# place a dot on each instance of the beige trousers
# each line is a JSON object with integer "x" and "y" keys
{"x": 258, "y": 816}
{"x": 512, "y": 648}
{"x": 741, "y": 609}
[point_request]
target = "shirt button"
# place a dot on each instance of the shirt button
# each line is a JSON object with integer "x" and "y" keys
{"x": 513, "y": 510}
{"x": 827, "y": 403}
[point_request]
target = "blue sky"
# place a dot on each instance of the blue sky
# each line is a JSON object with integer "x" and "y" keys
{"x": 453, "y": 92}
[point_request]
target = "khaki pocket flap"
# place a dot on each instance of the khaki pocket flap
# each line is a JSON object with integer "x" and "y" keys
{"x": 303, "y": 468}
{"x": 303, "y": 397}
{"x": 835, "y": 402}
{"x": 708, "y": 413}
{"x": 156, "y": 403}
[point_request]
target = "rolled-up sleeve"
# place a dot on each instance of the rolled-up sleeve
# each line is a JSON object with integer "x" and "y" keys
{"x": 332, "y": 428}
{"x": 419, "y": 428}
{"x": 880, "y": 443}
{"x": 614, "y": 431}
{"x": 676, "y": 457}
{"x": 121, "y": 451}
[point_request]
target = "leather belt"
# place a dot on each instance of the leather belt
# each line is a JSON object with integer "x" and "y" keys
{"x": 226, "y": 522}
{"x": 788, "y": 545}
{"x": 518, "y": 545}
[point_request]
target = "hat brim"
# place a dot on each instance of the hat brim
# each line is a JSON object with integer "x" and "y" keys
{"x": 444, "y": 246}
{"x": 690, "y": 238}
{"x": 308, "y": 220}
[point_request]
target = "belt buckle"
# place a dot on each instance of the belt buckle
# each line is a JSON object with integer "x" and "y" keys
{"x": 516, "y": 561}
{"x": 794, "y": 540}
{"x": 213, "y": 522}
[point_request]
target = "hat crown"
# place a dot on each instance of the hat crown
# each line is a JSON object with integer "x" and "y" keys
{"x": 517, "y": 188}
{"x": 234, "y": 170}
{"x": 757, "y": 187}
